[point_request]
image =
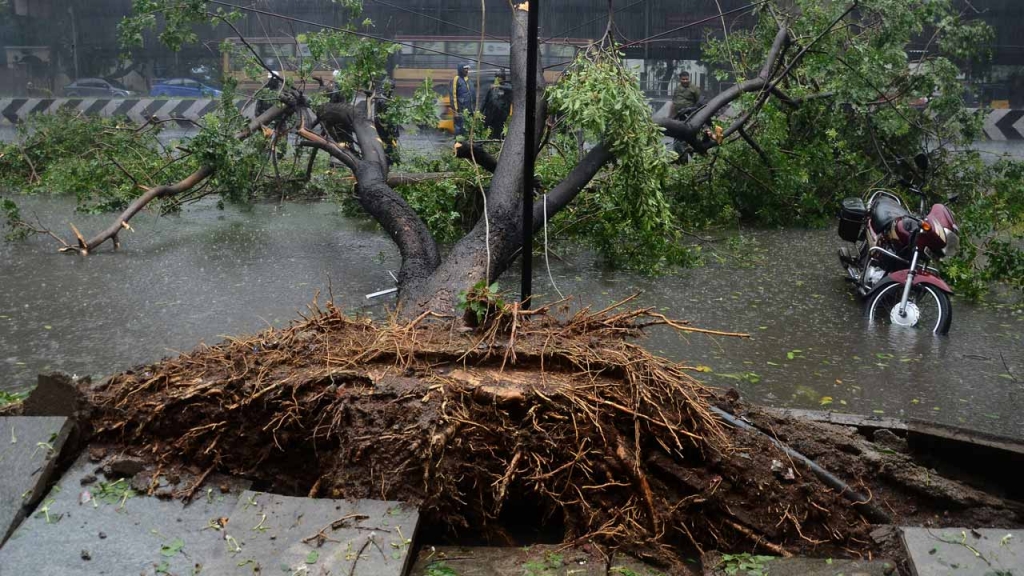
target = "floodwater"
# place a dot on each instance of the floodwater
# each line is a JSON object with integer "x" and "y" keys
{"x": 182, "y": 280}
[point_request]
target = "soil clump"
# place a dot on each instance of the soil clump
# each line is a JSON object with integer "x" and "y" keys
{"x": 560, "y": 418}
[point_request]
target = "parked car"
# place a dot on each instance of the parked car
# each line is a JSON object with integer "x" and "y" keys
{"x": 183, "y": 88}
{"x": 96, "y": 87}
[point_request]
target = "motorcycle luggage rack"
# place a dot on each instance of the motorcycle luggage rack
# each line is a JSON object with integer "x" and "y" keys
{"x": 876, "y": 193}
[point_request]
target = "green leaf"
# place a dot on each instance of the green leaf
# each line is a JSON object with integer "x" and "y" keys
{"x": 173, "y": 548}
{"x": 312, "y": 557}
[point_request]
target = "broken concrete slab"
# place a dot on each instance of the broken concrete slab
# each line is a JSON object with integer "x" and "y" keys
{"x": 841, "y": 419}
{"x": 91, "y": 525}
{"x": 717, "y": 564}
{"x": 269, "y": 533}
{"x": 964, "y": 552}
{"x": 625, "y": 565}
{"x": 539, "y": 560}
{"x": 29, "y": 448}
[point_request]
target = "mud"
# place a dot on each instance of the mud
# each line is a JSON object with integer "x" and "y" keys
{"x": 563, "y": 423}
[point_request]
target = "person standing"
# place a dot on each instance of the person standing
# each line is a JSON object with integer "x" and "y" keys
{"x": 498, "y": 104}
{"x": 461, "y": 98}
{"x": 386, "y": 131}
{"x": 685, "y": 98}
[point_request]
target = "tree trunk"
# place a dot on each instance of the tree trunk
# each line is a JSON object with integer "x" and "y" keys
{"x": 481, "y": 256}
{"x": 486, "y": 251}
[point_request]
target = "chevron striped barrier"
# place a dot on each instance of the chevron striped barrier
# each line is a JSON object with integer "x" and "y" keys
{"x": 999, "y": 124}
{"x": 184, "y": 111}
{"x": 1004, "y": 125}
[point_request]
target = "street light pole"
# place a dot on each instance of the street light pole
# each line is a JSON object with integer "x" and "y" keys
{"x": 74, "y": 38}
{"x": 530, "y": 148}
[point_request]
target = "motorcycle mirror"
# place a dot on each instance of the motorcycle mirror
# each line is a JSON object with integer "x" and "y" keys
{"x": 953, "y": 199}
{"x": 922, "y": 161}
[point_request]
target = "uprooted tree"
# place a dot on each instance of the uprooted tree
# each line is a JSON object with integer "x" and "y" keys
{"x": 558, "y": 422}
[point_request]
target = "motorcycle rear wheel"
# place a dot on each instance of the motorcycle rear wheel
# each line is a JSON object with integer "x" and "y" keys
{"x": 928, "y": 308}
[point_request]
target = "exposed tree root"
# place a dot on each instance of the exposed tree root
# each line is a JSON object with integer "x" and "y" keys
{"x": 563, "y": 417}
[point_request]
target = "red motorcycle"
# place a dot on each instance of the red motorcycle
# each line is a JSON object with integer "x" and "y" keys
{"x": 893, "y": 250}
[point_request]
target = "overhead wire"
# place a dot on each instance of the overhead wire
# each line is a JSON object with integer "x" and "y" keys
{"x": 565, "y": 33}
{"x": 441, "y": 20}
{"x": 750, "y": 6}
{"x": 347, "y": 31}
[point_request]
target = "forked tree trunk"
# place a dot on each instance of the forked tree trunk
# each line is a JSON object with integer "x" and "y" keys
{"x": 425, "y": 282}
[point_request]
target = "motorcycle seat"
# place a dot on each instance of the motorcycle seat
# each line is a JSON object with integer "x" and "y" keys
{"x": 885, "y": 212}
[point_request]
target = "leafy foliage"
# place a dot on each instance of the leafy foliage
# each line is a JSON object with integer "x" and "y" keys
{"x": 106, "y": 163}
{"x": 991, "y": 218}
{"x": 12, "y": 216}
{"x": 11, "y": 397}
{"x": 881, "y": 105}
{"x": 236, "y": 163}
{"x": 440, "y": 569}
{"x": 449, "y": 207}
{"x": 178, "y": 18}
{"x": 90, "y": 158}
{"x": 749, "y": 564}
{"x": 626, "y": 216}
{"x": 364, "y": 58}
{"x": 481, "y": 301}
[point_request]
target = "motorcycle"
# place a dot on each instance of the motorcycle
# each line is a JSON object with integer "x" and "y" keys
{"x": 893, "y": 249}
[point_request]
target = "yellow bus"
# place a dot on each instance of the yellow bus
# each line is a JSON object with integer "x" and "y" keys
{"x": 421, "y": 57}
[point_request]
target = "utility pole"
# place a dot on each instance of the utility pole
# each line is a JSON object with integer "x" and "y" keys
{"x": 74, "y": 38}
{"x": 530, "y": 148}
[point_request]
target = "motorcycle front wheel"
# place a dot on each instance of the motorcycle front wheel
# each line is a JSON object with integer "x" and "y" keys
{"x": 928, "y": 308}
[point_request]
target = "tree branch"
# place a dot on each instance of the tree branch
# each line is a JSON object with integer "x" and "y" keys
{"x": 168, "y": 190}
{"x": 417, "y": 246}
{"x": 566, "y": 191}
{"x": 760, "y": 152}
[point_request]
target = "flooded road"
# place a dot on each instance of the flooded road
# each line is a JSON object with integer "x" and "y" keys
{"x": 810, "y": 346}
{"x": 207, "y": 273}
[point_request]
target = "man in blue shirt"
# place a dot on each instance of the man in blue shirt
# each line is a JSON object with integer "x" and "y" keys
{"x": 462, "y": 98}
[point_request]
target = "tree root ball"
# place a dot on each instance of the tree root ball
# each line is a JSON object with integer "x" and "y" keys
{"x": 566, "y": 417}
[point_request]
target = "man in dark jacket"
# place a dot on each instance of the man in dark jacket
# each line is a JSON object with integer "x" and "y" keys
{"x": 268, "y": 98}
{"x": 462, "y": 98}
{"x": 498, "y": 104}
{"x": 387, "y": 132}
{"x": 685, "y": 98}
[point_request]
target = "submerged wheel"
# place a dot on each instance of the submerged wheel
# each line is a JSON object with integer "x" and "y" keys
{"x": 928, "y": 308}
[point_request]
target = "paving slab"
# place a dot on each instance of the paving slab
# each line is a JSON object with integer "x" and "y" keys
{"x": 964, "y": 552}
{"x": 94, "y": 524}
{"x": 625, "y": 565}
{"x": 272, "y": 534}
{"x": 538, "y": 560}
{"x": 29, "y": 448}
{"x": 717, "y": 564}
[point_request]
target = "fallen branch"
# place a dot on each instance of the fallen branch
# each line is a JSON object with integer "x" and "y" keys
{"x": 169, "y": 190}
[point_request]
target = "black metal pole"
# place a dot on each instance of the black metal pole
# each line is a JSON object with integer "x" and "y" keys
{"x": 530, "y": 148}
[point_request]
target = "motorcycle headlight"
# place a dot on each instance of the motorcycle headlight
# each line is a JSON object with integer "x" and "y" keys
{"x": 952, "y": 243}
{"x": 940, "y": 232}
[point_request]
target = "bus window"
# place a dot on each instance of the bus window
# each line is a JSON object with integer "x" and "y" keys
{"x": 463, "y": 48}
{"x": 560, "y": 51}
{"x": 438, "y": 46}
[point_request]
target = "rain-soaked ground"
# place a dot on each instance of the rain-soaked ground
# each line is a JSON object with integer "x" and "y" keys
{"x": 182, "y": 280}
